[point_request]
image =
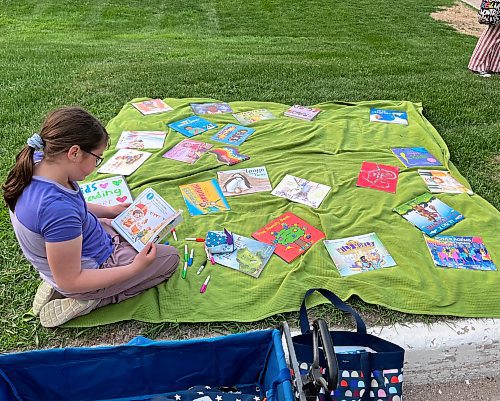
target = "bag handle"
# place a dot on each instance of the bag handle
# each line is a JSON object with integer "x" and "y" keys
{"x": 335, "y": 300}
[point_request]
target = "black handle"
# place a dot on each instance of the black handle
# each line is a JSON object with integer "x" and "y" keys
{"x": 335, "y": 300}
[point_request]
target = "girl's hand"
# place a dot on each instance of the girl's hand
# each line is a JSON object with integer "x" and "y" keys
{"x": 145, "y": 257}
{"x": 114, "y": 211}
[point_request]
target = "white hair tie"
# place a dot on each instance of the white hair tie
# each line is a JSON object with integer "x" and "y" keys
{"x": 35, "y": 141}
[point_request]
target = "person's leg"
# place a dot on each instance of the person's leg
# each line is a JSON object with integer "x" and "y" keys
{"x": 167, "y": 259}
{"x": 59, "y": 311}
{"x": 483, "y": 58}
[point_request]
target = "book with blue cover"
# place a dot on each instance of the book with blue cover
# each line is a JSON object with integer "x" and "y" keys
{"x": 192, "y": 126}
{"x": 429, "y": 214}
{"x": 211, "y": 108}
{"x": 233, "y": 134}
{"x": 388, "y": 116}
{"x": 416, "y": 157}
{"x": 458, "y": 252}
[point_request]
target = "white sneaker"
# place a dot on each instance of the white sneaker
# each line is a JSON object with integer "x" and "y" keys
{"x": 60, "y": 311}
{"x": 43, "y": 295}
{"x": 484, "y": 74}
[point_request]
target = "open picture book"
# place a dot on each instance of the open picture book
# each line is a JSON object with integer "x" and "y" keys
{"x": 150, "y": 218}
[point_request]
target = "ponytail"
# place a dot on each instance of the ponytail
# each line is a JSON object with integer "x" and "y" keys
{"x": 19, "y": 177}
{"x": 61, "y": 129}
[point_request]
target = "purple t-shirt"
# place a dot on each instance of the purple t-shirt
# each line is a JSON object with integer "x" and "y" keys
{"x": 49, "y": 212}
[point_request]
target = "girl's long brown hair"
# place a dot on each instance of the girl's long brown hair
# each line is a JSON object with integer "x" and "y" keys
{"x": 61, "y": 129}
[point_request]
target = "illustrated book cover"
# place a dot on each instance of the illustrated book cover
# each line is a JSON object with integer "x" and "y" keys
{"x": 291, "y": 235}
{"x": 141, "y": 140}
{"x": 244, "y": 181}
{"x": 188, "y": 151}
{"x": 301, "y": 190}
{"x": 204, "y": 197}
{"x": 211, "y": 108}
{"x": 150, "y": 218}
{"x": 124, "y": 162}
{"x": 458, "y": 252}
{"x": 416, "y": 157}
{"x": 252, "y": 116}
{"x": 429, "y": 214}
{"x": 229, "y": 155}
{"x": 192, "y": 126}
{"x": 302, "y": 112}
{"x": 359, "y": 254}
{"x": 153, "y": 106}
{"x": 439, "y": 181}
{"x": 388, "y": 116}
{"x": 107, "y": 192}
{"x": 378, "y": 176}
{"x": 233, "y": 134}
{"x": 250, "y": 256}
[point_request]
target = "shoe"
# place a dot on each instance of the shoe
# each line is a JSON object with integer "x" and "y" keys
{"x": 43, "y": 295}
{"x": 60, "y": 311}
{"x": 484, "y": 74}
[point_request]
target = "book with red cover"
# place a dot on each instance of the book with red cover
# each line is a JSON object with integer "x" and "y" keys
{"x": 291, "y": 235}
{"x": 378, "y": 176}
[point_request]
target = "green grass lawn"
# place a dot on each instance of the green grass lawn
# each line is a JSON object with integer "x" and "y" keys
{"x": 102, "y": 54}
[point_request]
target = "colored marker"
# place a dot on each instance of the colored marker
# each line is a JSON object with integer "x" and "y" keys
{"x": 201, "y": 267}
{"x": 204, "y": 286}
{"x": 195, "y": 239}
{"x": 184, "y": 270}
{"x": 173, "y": 233}
{"x": 191, "y": 256}
{"x": 209, "y": 256}
{"x": 186, "y": 255}
{"x": 166, "y": 243}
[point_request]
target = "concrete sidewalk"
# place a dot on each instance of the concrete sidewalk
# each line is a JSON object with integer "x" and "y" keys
{"x": 473, "y": 3}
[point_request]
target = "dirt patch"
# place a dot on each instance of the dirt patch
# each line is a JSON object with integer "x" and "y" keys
{"x": 461, "y": 18}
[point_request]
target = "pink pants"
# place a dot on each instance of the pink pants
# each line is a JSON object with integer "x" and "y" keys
{"x": 167, "y": 259}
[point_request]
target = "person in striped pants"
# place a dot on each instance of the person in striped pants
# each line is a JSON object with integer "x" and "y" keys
{"x": 486, "y": 56}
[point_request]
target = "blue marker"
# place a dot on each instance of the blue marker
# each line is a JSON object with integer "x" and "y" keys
{"x": 190, "y": 260}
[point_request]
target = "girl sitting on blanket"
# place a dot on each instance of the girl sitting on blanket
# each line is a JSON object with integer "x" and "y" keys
{"x": 83, "y": 262}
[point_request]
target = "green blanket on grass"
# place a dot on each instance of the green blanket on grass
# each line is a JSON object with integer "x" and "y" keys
{"x": 328, "y": 150}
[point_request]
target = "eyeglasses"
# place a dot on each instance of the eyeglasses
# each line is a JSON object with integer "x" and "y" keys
{"x": 98, "y": 159}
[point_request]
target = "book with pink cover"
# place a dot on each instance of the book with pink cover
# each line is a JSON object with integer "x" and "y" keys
{"x": 302, "y": 112}
{"x": 291, "y": 235}
{"x": 152, "y": 106}
{"x": 188, "y": 151}
{"x": 378, "y": 176}
{"x": 141, "y": 140}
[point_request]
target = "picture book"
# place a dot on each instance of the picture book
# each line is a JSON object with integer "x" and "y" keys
{"x": 442, "y": 182}
{"x": 249, "y": 257}
{"x": 302, "y": 112}
{"x": 229, "y": 155}
{"x": 244, "y": 181}
{"x": 124, "y": 162}
{"x": 153, "y": 106}
{"x": 252, "y": 116}
{"x": 149, "y": 219}
{"x": 358, "y": 254}
{"x": 233, "y": 134}
{"x": 388, "y": 116}
{"x": 211, "y": 108}
{"x": 192, "y": 126}
{"x": 429, "y": 214}
{"x": 302, "y": 191}
{"x": 459, "y": 252}
{"x": 188, "y": 151}
{"x": 204, "y": 197}
{"x": 378, "y": 176}
{"x": 107, "y": 192}
{"x": 416, "y": 157}
{"x": 141, "y": 140}
{"x": 291, "y": 235}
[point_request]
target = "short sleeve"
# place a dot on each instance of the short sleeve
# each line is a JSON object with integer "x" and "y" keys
{"x": 60, "y": 221}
